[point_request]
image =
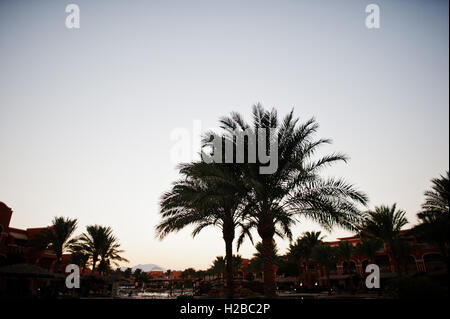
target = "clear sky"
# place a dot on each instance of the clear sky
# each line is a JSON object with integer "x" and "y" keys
{"x": 86, "y": 115}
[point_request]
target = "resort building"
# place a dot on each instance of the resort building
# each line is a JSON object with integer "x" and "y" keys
{"x": 17, "y": 245}
{"x": 423, "y": 258}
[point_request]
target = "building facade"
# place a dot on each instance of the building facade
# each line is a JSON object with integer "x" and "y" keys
{"x": 17, "y": 246}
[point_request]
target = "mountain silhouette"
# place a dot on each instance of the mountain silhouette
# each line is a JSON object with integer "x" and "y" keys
{"x": 145, "y": 267}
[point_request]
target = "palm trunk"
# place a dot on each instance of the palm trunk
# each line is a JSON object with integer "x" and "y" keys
{"x": 228, "y": 236}
{"x": 269, "y": 276}
{"x": 229, "y": 268}
{"x": 266, "y": 229}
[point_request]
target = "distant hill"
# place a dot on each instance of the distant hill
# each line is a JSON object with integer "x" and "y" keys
{"x": 145, "y": 267}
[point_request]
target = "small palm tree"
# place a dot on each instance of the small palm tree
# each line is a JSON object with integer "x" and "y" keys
{"x": 257, "y": 262}
{"x": 218, "y": 266}
{"x": 101, "y": 245}
{"x": 434, "y": 218}
{"x": 208, "y": 195}
{"x": 437, "y": 199}
{"x": 385, "y": 223}
{"x": 57, "y": 236}
{"x": 79, "y": 256}
{"x": 110, "y": 252}
{"x": 300, "y": 251}
{"x": 345, "y": 252}
{"x": 326, "y": 256}
{"x": 237, "y": 263}
{"x": 368, "y": 248}
{"x": 302, "y": 248}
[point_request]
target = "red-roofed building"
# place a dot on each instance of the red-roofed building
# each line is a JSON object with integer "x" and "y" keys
{"x": 156, "y": 274}
{"x": 424, "y": 258}
{"x": 16, "y": 245}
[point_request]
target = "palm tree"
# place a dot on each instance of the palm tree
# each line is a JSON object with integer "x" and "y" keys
{"x": 237, "y": 263}
{"x": 385, "y": 223}
{"x": 345, "y": 253}
{"x": 437, "y": 199}
{"x": 434, "y": 217}
{"x": 301, "y": 249}
{"x": 110, "y": 252}
{"x": 101, "y": 245}
{"x": 79, "y": 256}
{"x": 257, "y": 262}
{"x": 368, "y": 247}
{"x": 402, "y": 249}
{"x": 218, "y": 266}
{"x": 326, "y": 256}
{"x": 208, "y": 195}
{"x": 276, "y": 201}
{"x": 57, "y": 236}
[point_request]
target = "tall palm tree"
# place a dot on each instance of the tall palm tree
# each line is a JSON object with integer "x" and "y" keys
{"x": 101, "y": 245}
{"x": 434, "y": 217}
{"x": 402, "y": 249}
{"x": 385, "y": 223}
{"x": 57, "y": 236}
{"x": 207, "y": 195}
{"x": 277, "y": 200}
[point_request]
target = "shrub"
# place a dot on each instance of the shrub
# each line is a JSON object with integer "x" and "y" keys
{"x": 415, "y": 287}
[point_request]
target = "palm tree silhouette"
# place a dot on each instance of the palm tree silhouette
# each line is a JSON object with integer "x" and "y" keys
{"x": 208, "y": 195}
{"x": 345, "y": 253}
{"x": 275, "y": 201}
{"x": 101, "y": 245}
{"x": 57, "y": 237}
{"x": 368, "y": 247}
{"x": 257, "y": 261}
{"x": 434, "y": 217}
{"x": 385, "y": 223}
{"x": 326, "y": 256}
{"x": 300, "y": 251}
